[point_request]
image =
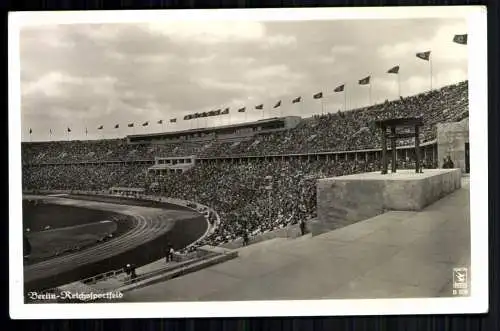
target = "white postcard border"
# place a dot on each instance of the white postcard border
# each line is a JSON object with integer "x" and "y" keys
{"x": 476, "y": 303}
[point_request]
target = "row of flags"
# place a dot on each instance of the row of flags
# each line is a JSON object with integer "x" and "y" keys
{"x": 426, "y": 56}
{"x": 131, "y": 125}
{"x": 211, "y": 113}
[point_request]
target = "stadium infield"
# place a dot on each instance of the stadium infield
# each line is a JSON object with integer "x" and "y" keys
{"x": 71, "y": 228}
{"x": 154, "y": 225}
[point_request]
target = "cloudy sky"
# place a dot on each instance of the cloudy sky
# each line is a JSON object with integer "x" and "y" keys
{"x": 86, "y": 75}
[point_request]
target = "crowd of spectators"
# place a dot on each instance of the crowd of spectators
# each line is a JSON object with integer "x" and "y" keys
{"x": 251, "y": 197}
{"x": 81, "y": 176}
{"x": 341, "y": 131}
{"x": 355, "y": 129}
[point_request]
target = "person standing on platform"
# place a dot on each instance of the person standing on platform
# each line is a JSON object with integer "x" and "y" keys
{"x": 245, "y": 238}
{"x": 169, "y": 253}
{"x": 450, "y": 163}
{"x": 302, "y": 225}
{"x": 445, "y": 163}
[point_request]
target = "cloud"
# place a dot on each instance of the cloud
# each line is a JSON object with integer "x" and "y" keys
{"x": 209, "y": 32}
{"x": 440, "y": 45}
{"x": 281, "y": 41}
{"x": 93, "y": 74}
{"x": 343, "y": 49}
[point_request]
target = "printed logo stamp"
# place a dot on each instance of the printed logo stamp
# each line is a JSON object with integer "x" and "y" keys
{"x": 460, "y": 281}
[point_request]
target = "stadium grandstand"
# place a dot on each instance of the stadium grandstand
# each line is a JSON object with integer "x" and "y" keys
{"x": 258, "y": 176}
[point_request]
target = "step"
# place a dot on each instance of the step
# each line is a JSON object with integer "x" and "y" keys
{"x": 109, "y": 284}
{"x": 261, "y": 246}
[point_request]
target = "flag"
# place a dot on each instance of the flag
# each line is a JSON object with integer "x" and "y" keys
{"x": 339, "y": 88}
{"x": 261, "y": 106}
{"x": 364, "y": 81}
{"x": 69, "y": 130}
{"x": 297, "y": 99}
{"x": 160, "y": 122}
{"x": 225, "y": 111}
{"x": 277, "y": 104}
{"x": 31, "y": 131}
{"x": 173, "y": 120}
{"x": 86, "y": 131}
{"x": 145, "y": 123}
{"x": 393, "y": 70}
{"x": 100, "y": 128}
{"x": 131, "y": 125}
{"x": 318, "y": 95}
{"x": 242, "y": 110}
{"x": 460, "y": 39}
{"x": 424, "y": 55}
{"x": 117, "y": 126}
{"x": 50, "y": 131}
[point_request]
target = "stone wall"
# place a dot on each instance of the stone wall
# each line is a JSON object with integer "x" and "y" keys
{"x": 349, "y": 199}
{"x": 451, "y": 139}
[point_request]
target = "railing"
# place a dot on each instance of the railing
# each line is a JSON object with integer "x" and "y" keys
{"x": 102, "y": 276}
{"x": 179, "y": 266}
{"x": 239, "y": 156}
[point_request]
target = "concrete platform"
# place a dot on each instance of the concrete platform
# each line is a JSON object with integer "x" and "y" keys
{"x": 399, "y": 254}
{"x": 348, "y": 199}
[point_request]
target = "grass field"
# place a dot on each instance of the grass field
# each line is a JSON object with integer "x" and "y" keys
{"x": 71, "y": 228}
{"x": 46, "y": 244}
{"x": 38, "y": 215}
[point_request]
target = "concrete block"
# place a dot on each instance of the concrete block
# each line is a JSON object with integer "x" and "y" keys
{"x": 348, "y": 199}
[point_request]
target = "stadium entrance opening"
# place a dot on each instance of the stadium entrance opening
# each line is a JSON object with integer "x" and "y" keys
{"x": 467, "y": 159}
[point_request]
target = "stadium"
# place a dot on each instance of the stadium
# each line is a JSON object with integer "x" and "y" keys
{"x": 214, "y": 194}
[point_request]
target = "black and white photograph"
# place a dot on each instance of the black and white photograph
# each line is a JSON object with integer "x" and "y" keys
{"x": 201, "y": 163}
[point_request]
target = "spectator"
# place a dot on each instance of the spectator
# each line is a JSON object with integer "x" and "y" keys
{"x": 169, "y": 253}
{"x": 302, "y": 227}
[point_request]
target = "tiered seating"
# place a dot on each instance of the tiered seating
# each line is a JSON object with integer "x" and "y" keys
{"x": 255, "y": 196}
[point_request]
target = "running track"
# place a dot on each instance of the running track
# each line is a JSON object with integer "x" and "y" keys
{"x": 148, "y": 224}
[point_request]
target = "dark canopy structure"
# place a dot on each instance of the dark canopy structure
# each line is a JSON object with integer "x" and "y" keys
{"x": 392, "y": 124}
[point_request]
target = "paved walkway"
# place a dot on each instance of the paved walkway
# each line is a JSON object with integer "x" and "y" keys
{"x": 394, "y": 255}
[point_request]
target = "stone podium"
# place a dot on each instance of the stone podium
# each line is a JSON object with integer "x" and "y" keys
{"x": 345, "y": 200}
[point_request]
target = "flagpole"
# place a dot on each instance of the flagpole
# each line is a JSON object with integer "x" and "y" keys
{"x": 430, "y": 65}
{"x": 399, "y": 86}
{"x": 322, "y": 106}
{"x": 370, "y": 93}
{"x": 345, "y": 98}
